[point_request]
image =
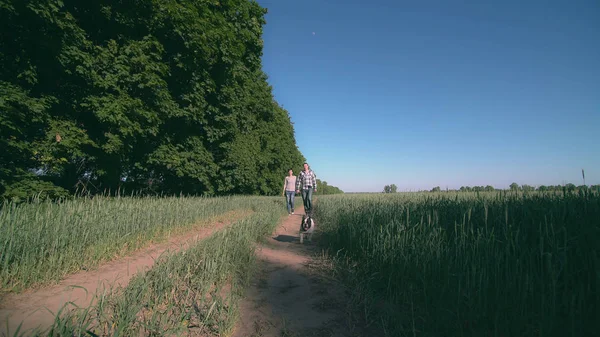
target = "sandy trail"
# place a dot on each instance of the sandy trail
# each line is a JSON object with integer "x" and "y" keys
{"x": 289, "y": 298}
{"x": 37, "y": 308}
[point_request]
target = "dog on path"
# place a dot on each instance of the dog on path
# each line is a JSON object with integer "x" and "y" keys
{"x": 307, "y": 227}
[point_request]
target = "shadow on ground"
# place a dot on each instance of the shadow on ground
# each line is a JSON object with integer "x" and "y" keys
{"x": 286, "y": 238}
{"x": 285, "y": 300}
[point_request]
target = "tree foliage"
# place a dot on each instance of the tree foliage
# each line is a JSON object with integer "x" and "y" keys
{"x": 390, "y": 188}
{"x": 155, "y": 96}
{"x": 528, "y": 188}
{"x": 324, "y": 188}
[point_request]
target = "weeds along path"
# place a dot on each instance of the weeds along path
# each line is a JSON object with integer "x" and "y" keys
{"x": 289, "y": 296}
{"x": 38, "y": 307}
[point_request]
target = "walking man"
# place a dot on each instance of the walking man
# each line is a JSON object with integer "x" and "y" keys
{"x": 307, "y": 183}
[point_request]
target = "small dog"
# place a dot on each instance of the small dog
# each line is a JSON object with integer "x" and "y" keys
{"x": 307, "y": 227}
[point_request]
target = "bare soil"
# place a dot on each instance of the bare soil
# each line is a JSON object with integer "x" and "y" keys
{"x": 289, "y": 297}
{"x": 38, "y": 307}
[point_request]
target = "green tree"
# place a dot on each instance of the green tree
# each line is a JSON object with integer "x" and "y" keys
{"x": 527, "y": 188}
{"x": 514, "y": 187}
{"x": 324, "y": 188}
{"x": 22, "y": 119}
{"x": 169, "y": 96}
{"x": 436, "y": 189}
{"x": 390, "y": 188}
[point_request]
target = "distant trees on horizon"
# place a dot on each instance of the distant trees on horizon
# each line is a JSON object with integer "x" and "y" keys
{"x": 390, "y": 188}
{"x": 523, "y": 188}
{"x": 324, "y": 188}
{"x": 513, "y": 187}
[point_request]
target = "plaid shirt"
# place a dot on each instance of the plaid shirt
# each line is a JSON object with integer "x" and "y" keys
{"x": 306, "y": 179}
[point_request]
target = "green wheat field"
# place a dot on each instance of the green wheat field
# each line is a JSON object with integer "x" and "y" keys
{"x": 417, "y": 264}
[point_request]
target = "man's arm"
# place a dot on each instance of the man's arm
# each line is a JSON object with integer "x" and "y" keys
{"x": 315, "y": 180}
{"x": 298, "y": 181}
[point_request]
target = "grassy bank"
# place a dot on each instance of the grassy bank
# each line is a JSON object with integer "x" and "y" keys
{"x": 43, "y": 242}
{"x": 490, "y": 264}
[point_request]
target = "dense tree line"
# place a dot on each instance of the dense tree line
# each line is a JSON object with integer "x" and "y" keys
{"x": 543, "y": 188}
{"x": 154, "y": 96}
{"x": 324, "y": 188}
{"x": 525, "y": 188}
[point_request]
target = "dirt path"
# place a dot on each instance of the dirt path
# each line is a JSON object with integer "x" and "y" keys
{"x": 289, "y": 298}
{"x": 37, "y": 307}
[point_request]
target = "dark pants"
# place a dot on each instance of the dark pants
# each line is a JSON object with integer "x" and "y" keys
{"x": 307, "y": 199}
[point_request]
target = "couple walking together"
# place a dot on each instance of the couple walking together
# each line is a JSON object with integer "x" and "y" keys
{"x": 305, "y": 182}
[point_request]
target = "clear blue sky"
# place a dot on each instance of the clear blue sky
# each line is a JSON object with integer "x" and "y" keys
{"x": 439, "y": 93}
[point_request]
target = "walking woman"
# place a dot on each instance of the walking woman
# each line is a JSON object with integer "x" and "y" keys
{"x": 289, "y": 190}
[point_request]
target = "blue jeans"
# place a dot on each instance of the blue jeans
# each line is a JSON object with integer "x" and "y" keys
{"x": 307, "y": 198}
{"x": 289, "y": 198}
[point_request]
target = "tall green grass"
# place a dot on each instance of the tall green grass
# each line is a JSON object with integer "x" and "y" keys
{"x": 490, "y": 264}
{"x": 194, "y": 292}
{"x": 42, "y": 242}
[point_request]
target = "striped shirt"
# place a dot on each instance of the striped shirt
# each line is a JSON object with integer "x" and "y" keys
{"x": 306, "y": 180}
